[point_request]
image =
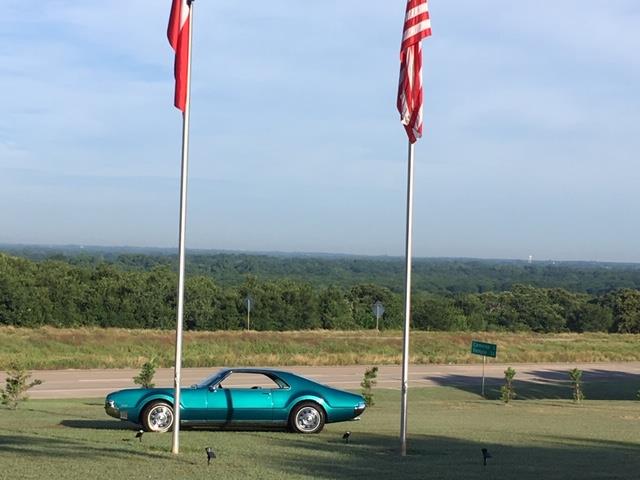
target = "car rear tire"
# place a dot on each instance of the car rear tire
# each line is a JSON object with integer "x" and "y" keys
{"x": 158, "y": 417}
{"x": 307, "y": 417}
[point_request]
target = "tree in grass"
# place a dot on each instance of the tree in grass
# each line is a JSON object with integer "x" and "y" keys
{"x": 145, "y": 377}
{"x": 576, "y": 384}
{"x": 17, "y": 384}
{"x": 507, "y": 391}
{"x": 368, "y": 382}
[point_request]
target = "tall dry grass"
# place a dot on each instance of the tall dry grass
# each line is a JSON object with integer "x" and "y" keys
{"x": 51, "y": 348}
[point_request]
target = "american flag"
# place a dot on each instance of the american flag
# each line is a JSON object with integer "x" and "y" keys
{"x": 179, "y": 38}
{"x": 417, "y": 26}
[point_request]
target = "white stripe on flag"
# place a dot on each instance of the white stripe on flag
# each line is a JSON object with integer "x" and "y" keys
{"x": 415, "y": 11}
{"x": 410, "y": 32}
{"x": 184, "y": 13}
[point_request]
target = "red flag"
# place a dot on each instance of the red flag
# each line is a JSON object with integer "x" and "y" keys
{"x": 179, "y": 38}
{"x": 416, "y": 27}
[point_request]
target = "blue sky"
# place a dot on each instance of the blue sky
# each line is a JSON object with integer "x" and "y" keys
{"x": 532, "y": 128}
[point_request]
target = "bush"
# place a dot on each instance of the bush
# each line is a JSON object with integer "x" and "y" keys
{"x": 576, "y": 383}
{"x": 368, "y": 382}
{"x": 16, "y": 386}
{"x": 507, "y": 391}
{"x": 145, "y": 377}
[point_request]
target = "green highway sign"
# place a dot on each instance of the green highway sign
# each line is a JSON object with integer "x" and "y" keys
{"x": 485, "y": 349}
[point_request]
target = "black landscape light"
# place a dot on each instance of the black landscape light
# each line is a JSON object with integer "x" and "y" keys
{"x": 139, "y": 434}
{"x": 485, "y": 455}
{"x": 346, "y": 436}
{"x": 210, "y": 454}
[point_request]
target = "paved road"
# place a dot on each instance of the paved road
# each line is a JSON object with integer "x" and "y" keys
{"x": 97, "y": 383}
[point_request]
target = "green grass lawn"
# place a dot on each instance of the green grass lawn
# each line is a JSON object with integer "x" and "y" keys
{"x": 539, "y": 436}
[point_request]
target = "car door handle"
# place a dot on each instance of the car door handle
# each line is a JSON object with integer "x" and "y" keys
{"x": 266, "y": 393}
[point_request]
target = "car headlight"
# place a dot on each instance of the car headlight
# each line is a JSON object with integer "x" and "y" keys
{"x": 111, "y": 408}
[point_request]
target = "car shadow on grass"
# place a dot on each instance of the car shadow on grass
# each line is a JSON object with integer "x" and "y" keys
{"x": 552, "y": 385}
{"x": 116, "y": 425}
{"x": 373, "y": 456}
{"x": 57, "y": 447}
{"x": 99, "y": 424}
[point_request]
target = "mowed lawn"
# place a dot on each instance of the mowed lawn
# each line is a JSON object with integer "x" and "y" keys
{"x": 541, "y": 436}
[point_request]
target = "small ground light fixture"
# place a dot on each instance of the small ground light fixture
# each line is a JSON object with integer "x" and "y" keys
{"x": 210, "y": 454}
{"x": 139, "y": 434}
{"x": 346, "y": 436}
{"x": 485, "y": 455}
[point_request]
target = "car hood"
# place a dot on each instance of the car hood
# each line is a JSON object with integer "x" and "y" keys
{"x": 130, "y": 396}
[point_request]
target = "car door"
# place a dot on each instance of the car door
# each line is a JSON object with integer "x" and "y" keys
{"x": 218, "y": 405}
{"x": 249, "y": 397}
{"x": 193, "y": 403}
{"x": 251, "y": 405}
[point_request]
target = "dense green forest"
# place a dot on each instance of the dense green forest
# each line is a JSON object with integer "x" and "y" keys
{"x": 134, "y": 290}
{"x": 429, "y": 274}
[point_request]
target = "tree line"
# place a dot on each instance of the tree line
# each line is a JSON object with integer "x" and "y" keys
{"x": 60, "y": 294}
{"x": 433, "y": 275}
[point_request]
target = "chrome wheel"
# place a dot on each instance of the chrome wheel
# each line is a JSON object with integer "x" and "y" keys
{"x": 308, "y": 419}
{"x": 159, "y": 417}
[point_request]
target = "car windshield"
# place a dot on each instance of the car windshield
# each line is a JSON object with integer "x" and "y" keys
{"x": 210, "y": 379}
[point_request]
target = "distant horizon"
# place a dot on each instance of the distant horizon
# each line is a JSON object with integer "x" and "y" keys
{"x": 284, "y": 253}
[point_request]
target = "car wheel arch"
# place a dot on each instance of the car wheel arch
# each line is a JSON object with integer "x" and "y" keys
{"x": 318, "y": 405}
{"x": 146, "y": 401}
{"x": 319, "y": 401}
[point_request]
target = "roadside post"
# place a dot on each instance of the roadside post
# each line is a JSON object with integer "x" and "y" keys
{"x": 486, "y": 350}
{"x": 378, "y": 311}
{"x": 247, "y": 303}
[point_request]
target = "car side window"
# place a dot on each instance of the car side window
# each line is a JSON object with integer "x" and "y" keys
{"x": 249, "y": 380}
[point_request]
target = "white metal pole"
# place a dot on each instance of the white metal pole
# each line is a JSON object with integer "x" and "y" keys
{"x": 175, "y": 445}
{"x": 407, "y": 305}
{"x": 484, "y": 362}
{"x": 248, "y": 314}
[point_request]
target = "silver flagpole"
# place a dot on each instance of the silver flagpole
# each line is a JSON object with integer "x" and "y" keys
{"x": 407, "y": 305}
{"x": 175, "y": 445}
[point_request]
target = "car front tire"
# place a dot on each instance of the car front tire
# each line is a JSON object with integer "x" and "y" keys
{"x": 307, "y": 417}
{"x": 158, "y": 417}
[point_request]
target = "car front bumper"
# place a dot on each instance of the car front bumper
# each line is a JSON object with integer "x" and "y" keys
{"x": 113, "y": 411}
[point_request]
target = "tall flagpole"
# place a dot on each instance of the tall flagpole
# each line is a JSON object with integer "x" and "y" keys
{"x": 417, "y": 26}
{"x": 175, "y": 445}
{"x": 407, "y": 304}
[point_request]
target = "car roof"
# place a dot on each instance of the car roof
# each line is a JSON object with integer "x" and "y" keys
{"x": 270, "y": 371}
{"x": 288, "y": 377}
{"x": 256, "y": 370}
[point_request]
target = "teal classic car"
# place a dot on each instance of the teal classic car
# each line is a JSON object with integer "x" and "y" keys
{"x": 239, "y": 396}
